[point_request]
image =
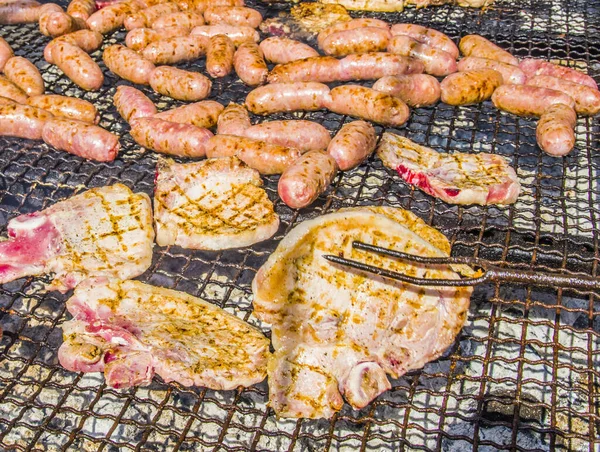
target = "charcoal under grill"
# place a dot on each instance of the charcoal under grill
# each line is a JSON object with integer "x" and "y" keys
{"x": 522, "y": 375}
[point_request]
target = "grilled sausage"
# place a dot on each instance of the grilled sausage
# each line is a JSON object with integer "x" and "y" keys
{"x": 372, "y": 66}
{"x": 25, "y": 75}
{"x": 587, "y": 100}
{"x": 111, "y": 17}
{"x": 237, "y": 34}
{"x": 171, "y": 138}
{"x": 202, "y": 5}
{"x": 180, "y": 84}
{"x": 233, "y": 15}
{"x": 470, "y": 87}
{"x": 219, "y": 56}
{"x": 66, "y": 107}
{"x": 533, "y": 67}
{"x": 234, "y": 120}
{"x": 187, "y": 19}
{"x": 323, "y": 69}
{"x": 357, "y": 40}
{"x": 525, "y": 100}
{"x": 7, "y": 101}
{"x": 87, "y": 40}
{"x": 200, "y": 114}
{"x": 415, "y": 90}
{"x": 131, "y": 103}
{"x": 140, "y": 38}
{"x": 350, "y": 25}
{"x": 58, "y": 23}
{"x": 77, "y": 65}
{"x": 302, "y": 135}
{"x": 175, "y": 50}
{"x": 146, "y": 17}
{"x": 81, "y": 138}
{"x": 353, "y": 144}
{"x": 478, "y": 46}
{"x": 510, "y": 74}
{"x": 279, "y": 97}
{"x": 555, "y": 132}
{"x": 81, "y": 9}
{"x": 309, "y": 176}
{"x": 11, "y": 91}
{"x": 250, "y": 65}
{"x": 429, "y": 36}
{"x": 22, "y": 121}
{"x": 436, "y": 61}
{"x": 280, "y": 50}
{"x": 6, "y": 53}
{"x": 366, "y": 103}
{"x": 264, "y": 157}
{"x": 25, "y": 12}
{"x": 127, "y": 64}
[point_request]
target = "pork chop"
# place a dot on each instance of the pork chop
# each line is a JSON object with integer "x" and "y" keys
{"x": 454, "y": 178}
{"x": 104, "y": 231}
{"x": 212, "y": 204}
{"x": 130, "y": 331}
{"x": 338, "y": 333}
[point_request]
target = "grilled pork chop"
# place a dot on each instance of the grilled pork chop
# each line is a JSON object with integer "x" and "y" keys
{"x": 130, "y": 331}
{"x": 454, "y": 178}
{"x": 339, "y": 333}
{"x": 105, "y": 231}
{"x": 212, "y": 204}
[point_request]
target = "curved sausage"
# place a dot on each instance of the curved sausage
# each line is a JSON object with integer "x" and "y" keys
{"x": 299, "y": 134}
{"x": 350, "y": 25}
{"x": 233, "y": 15}
{"x": 81, "y": 9}
{"x": 372, "y": 66}
{"x": 58, "y": 23}
{"x": 250, "y": 65}
{"x": 128, "y": 64}
{"x": 234, "y": 120}
{"x": 366, "y": 103}
{"x": 238, "y": 34}
{"x": 510, "y": 74}
{"x": 478, "y": 46}
{"x": 203, "y": 114}
{"x": 353, "y": 144}
{"x": 187, "y": 19}
{"x": 25, "y": 75}
{"x": 66, "y": 107}
{"x": 525, "y": 100}
{"x": 279, "y": 97}
{"x": 309, "y": 176}
{"x": 428, "y": 36}
{"x": 25, "y": 12}
{"x": 180, "y": 84}
{"x": 533, "y": 67}
{"x": 470, "y": 87}
{"x": 22, "y": 121}
{"x": 555, "y": 132}
{"x": 81, "y": 138}
{"x": 175, "y": 50}
{"x": 357, "y": 40}
{"x": 131, "y": 103}
{"x": 280, "y": 50}
{"x": 6, "y": 52}
{"x": 146, "y": 17}
{"x": 264, "y": 157}
{"x": 11, "y": 91}
{"x": 436, "y": 61}
{"x": 416, "y": 90}
{"x": 587, "y": 100}
{"x": 323, "y": 69}
{"x": 87, "y": 40}
{"x": 219, "y": 56}
{"x": 140, "y": 38}
{"x": 111, "y": 17}
{"x": 77, "y": 65}
{"x": 171, "y": 138}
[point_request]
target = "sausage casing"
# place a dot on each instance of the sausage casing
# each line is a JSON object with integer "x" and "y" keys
{"x": 234, "y": 120}
{"x": 11, "y": 91}
{"x": 233, "y": 15}
{"x": 238, "y": 34}
{"x": 128, "y": 64}
{"x": 323, "y": 69}
{"x": 280, "y": 50}
{"x": 353, "y": 24}
{"x": 478, "y": 46}
{"x": 145, "y": 17}
{"x": 25, "y": 75}
{"x": 131, "y": 103}
{"x": 140, "y": 38}
{"x": 249, "y": 64}
{"x": 416, "y": 90}
{"x": 353, "y": 144}
{"x": 58, "y": 23}
{"x": 111, "y": 17}
{"x": 77, "y": 65}
{"x": 436, "y": 61}
{"x": 86, "y": 40}
{"x": 533, "y": 67}
{"x": 372, "y": 66}
{"x": 66, "y": 107}
{"x": 555, "y": 132}
{"x": 219, "y": 56}
{"x": 81, "y": 8}
{"x": 279, "y": 97}
{"x": 203, "y": 114}
{"x": 428, "y": 36}
{"x": 180, "y": 84}
{"x": 22, "y": 121}
{"x": 510, "y": 74}
{"x": 470, "y": 87}
{"x": 25, "y": 12}
{"x": 6, "y": 52}
{"x": 525, "y": 100}
{"x": 587, "y": 100}
{"x": 299, "y": 134}
{"x": 186, "y": 19}
{"x": 357, "y": 40}
{"x": 175, "y": 50}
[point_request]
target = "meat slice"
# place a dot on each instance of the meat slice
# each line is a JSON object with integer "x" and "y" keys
{"x": 454, "y": 178}
{"x": 104, "y": 231}
{"x": 339, "y": 333}
{"x": 212, "y": 204}
{"x": 130, "y": 331}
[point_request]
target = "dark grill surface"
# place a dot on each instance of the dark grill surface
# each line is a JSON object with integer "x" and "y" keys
{"x": 523, "y": 373}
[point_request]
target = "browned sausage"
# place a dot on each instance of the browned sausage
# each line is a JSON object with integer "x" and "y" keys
{"x": 416, "y": 90}
{"x": 128, "y": 64}
{"x": 171, "y": 138}
{"x": 24, "y": 12}
{"x": 219, "y": 56}
{"x": 234, "y": 120}
{"x": 180, "y": 84}
{"x": 373, "y": 66}
{"x": 249, "y": 64}
{"x": 323, "y": 69}
{"x": 350, "y": 25}
{"x": 187, "y": 19}
{"x": 587, "y": 100}
{"x": 233, "y": 15}
{"x": 7, "y": 101}
{"x": 279, "y": 97}
{"x": 555, "y": 132}
{"x": 81, "y": 9}
{"x": 66, "y": 107}
{"x": 200, "y": 114}
{"x": 280, "y": 50}
{"x": 478, "y": 46}
{"x": 6, "y": 53}
{"x": 25, "y": 75}
{"x": 510, "y": 74}
{"x": 22, "y": 121}
{"x": 175, "y": 50}
{"x": 533, "y": 67}
{"x": 87, "y": 40}
{"x": 428, "y": 36}
{"x": 131, "y": 103}
{"x": 436, "y": 61}
{"x": 111, "y": 17}
{"x": 11, "y": 91}
{"x": 357, "y": 40}
{"x": 146, "y": 17}
{"x": 366, "y": 103}
{"x": 299, "y": 134}
{"x": 139, "y": 38}
{"x": 353, "y": 144}
{"x": 525, "y": 100}
{"x": 238, "y": 34}
{"x": 470, "y": 87}
{"x": 81, "y": 138}
{"x": 58, "y": 23}
{"x": 202, "y": 5}
{"x": 264, "y": 157}
{"x": 77, "y": 65}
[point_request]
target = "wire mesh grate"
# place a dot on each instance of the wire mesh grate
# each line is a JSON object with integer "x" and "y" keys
{"x": 522, "y": 374}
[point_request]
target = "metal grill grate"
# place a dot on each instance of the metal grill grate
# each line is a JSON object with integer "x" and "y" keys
{"x": 523, "y": 373}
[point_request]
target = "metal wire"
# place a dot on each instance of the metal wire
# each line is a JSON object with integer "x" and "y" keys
{"x": 523, "y": 373}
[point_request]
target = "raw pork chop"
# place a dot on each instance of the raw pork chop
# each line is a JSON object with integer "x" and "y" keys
{"x": 212, "y": 204}
{"x": 340, "y": 333}
{"x": 454, "y": 178}
{"x": 105, "y": 231}
{"x": 131, "y": 330}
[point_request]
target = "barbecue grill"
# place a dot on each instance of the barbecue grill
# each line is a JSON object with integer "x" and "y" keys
{"x": 523, "y": 374}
